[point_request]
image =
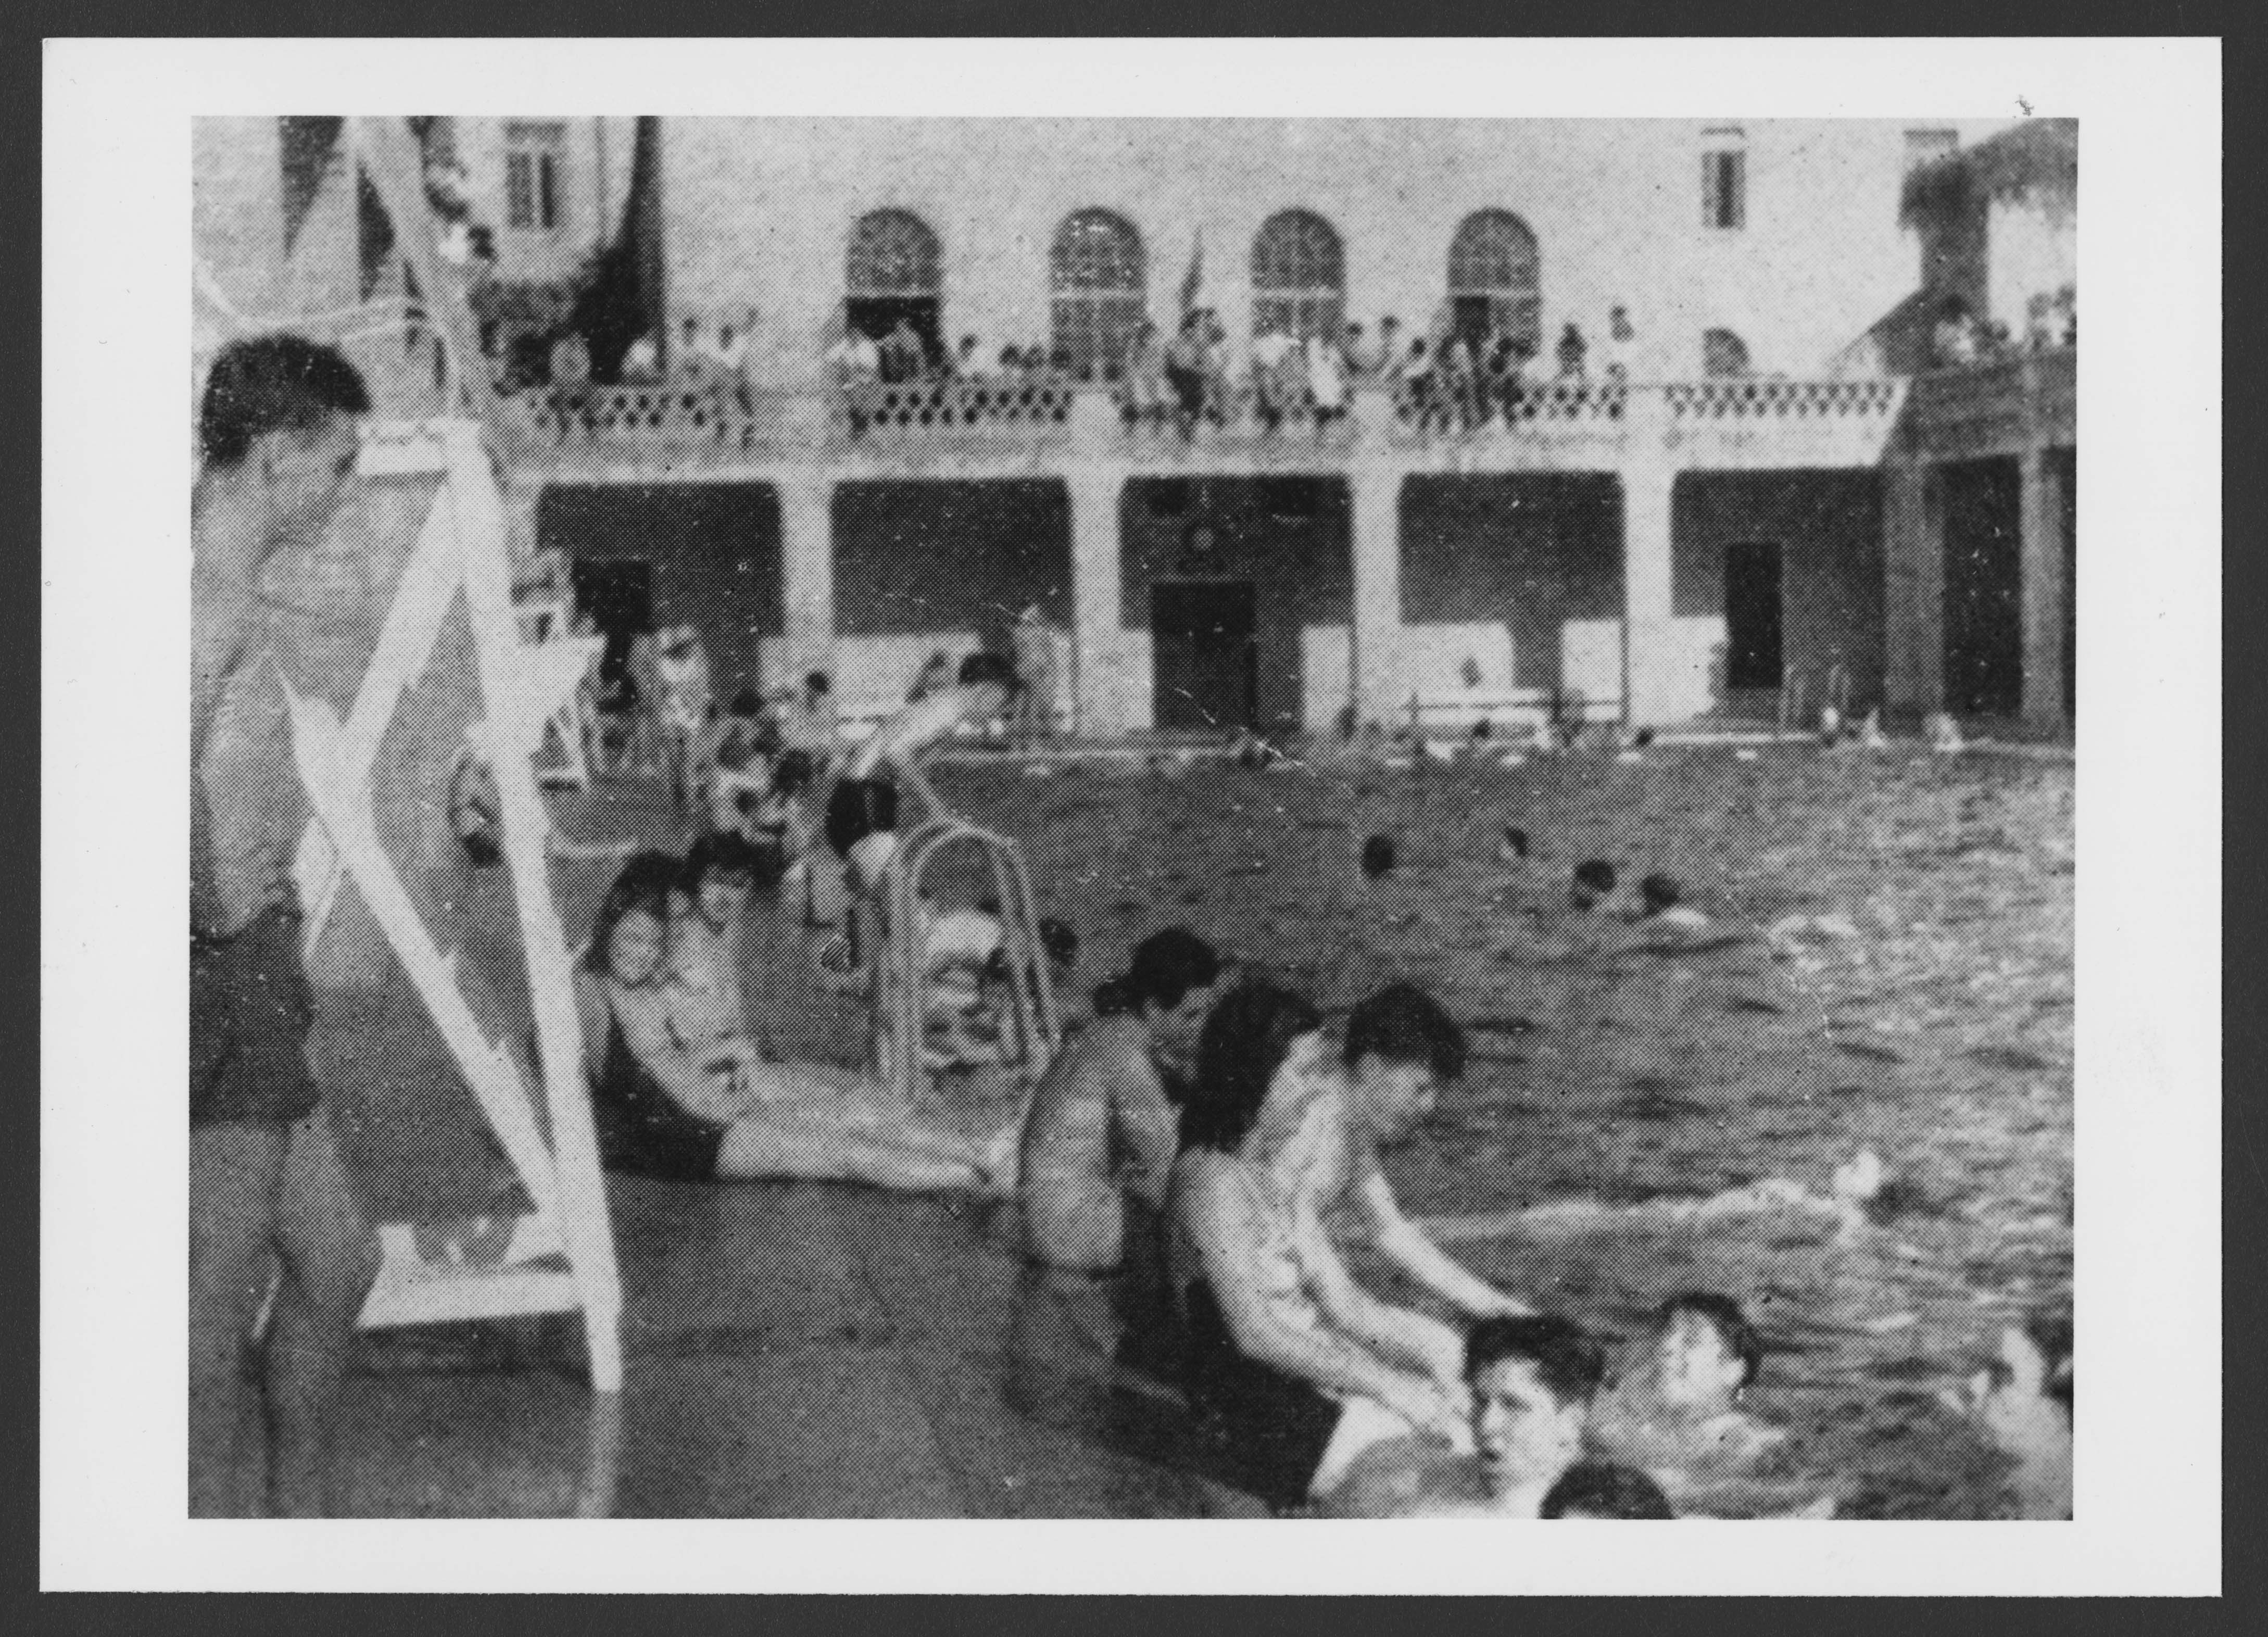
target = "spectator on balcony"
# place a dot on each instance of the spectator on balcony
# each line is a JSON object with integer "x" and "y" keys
{"x": 1953, "y": 339}
{"x": 1327, "y": 384}
{"x": 967, "y": 365}
{"x": 1219, "y": 390}
{"x": 1573, "y": 353}
{"x": 1143, "y": 397}
{"x": 904, "y": 357}
{"x": 1413, "y": 383}
{"x": 1378, "y": 366}
{"x": 728, "y": 368}
{"x": 1184, "y": 364}
{"x": 857, "y": 366}
{"x": 689, "y": 362}
{"x": 641, "y": 361}
{"x": 1456, "y": 388}
{"x": 1615, "y": 356}
{"x": 571, "y": 380}
{"x": 1272, "y": 382}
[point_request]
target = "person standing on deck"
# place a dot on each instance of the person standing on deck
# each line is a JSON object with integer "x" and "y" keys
{"x": 279, "y": 442}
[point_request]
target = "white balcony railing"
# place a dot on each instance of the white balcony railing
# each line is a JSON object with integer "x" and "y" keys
{"x": 1587, "y": 425}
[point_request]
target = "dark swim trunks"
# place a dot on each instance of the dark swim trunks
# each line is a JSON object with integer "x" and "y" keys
{"x": 642, "y": 1128}
{"x": 250, "y": 1010}
{"x": 1272, "y": 1428}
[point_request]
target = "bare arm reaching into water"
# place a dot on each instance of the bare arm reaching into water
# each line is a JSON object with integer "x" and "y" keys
{"x": 1405, "y": 1244}
{"x": 1228, "y": 1228}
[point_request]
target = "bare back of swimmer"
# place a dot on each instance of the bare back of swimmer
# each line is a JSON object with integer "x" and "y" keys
{"x": 1101, "y": 1126}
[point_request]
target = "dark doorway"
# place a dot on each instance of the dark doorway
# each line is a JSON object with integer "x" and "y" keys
{"x": 1752, "y": 613}
{"x": 1984, "y": 589}
{"x": 1206, "y": 654}
{"x": 876, "y": 316}
{"x": 617, "y": 593}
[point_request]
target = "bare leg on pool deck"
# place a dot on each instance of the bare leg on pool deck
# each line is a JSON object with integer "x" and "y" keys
{"x": 235, "y": 1174}
{"x": 329, "y": 1259}
{"x": 764, "y": 1148}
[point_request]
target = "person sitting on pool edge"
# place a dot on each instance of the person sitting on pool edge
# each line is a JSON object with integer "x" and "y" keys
{"x": 1602, "y": 1489}
{"x": 1099, "y": 1139}
{"x": 713, "y": 1111}
{"x": 1401, "y": 1048}
{"x": 1531, "y": 1379}
{"x": 1282, "y": 1353}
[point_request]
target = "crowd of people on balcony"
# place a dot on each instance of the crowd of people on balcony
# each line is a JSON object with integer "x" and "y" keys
{"x": 1962, "y": 340}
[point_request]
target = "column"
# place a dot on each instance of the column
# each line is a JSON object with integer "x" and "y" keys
{"x": 1380, "y": 681}
{"x": 1098, "y": 655}
{"x": 807, "y": 574}
{"x": 1913, "y": 600}
{"x": 1652, "y": 676}
{"x": 2044, "y": 590}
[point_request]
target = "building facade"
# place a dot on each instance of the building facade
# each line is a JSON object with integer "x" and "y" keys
{"x": 1748, "y": 504}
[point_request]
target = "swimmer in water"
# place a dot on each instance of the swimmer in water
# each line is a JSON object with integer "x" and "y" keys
{"x": 1591, "y": 886}
{"x": 1532, "y": 1381}
{"x": 1661, "y": 906}
{"x": 1602, "y": 1489}
{"x": 2022, "y": 1404}
{"x": 1674, "y": 1407}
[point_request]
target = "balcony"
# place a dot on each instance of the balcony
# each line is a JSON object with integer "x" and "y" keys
{"x": 990, "y": 429}
{"x": 2003, "y": 407}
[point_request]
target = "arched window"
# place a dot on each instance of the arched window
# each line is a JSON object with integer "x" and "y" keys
{"x": 1723, "y": 353}
{"x": 1101, "y": 283}
{"x": 1299, "y": 276}
{"x": 893, "y": 278}
{"x": 1495, "y": 286}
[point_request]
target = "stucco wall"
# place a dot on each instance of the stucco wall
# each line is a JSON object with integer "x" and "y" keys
{"x": 715, "y": 550}
{"x": 1830, "y": 531}
{"x": 759, "y": 212}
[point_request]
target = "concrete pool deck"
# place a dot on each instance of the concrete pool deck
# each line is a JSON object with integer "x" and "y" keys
{"x": 792, "y": 1351}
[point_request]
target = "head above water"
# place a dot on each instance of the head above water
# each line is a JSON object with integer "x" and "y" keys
{"x": 1593, "y": 881}
{"x": 1533, "y": 1379}
{"x": 1659, "y": 892}
{"x": 1248, "y": 1036}
{"x": 1602, "y": 1489}
{"x": 1705, "y": 1347}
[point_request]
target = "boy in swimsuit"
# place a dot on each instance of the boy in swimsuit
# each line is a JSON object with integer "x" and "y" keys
{"x": 1673, "y": 1408}
{"x": 1532, "y": 1381}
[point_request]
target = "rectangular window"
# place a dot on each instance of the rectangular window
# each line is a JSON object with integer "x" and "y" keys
{"x": 1725, "y": 189}
{"x": 530, "y": 176}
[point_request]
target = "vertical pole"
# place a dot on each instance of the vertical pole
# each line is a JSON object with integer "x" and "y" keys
{"x": 1652, "y": 679}
{"x": 2044, "y": 590}
{"x": 807, "y": 572}
{"x": 1379, "y": 673}
{"x": 1098, "y": 656}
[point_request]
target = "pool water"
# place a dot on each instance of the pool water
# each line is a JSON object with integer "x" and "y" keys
{"x": 1889, "y": 967}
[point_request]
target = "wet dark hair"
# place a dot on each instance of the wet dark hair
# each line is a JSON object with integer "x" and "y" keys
{"x": 722, "y": 852}
{"x": 1378, "y": 856}
{"x": 1245, "y": 1042}
{"x": 1060, "y": 942}
{"x": 1596, "y": 874}
{"x": 273, "y": 383}
{"x": 1402, "y": 1023}
{"x": 2052, "y": 1335}
{"x": 1660, "y": 892}
{"x": 746, "y": 702}
{"x": 1604, "y": 1489}
{"x": 644, "y": 884}
{"x": 857, "y": 808}
{"x": 1724, "y": 1314}
{"x": 792, "y": 773}
{"x": 1516, "y": 838}
{"x": 819, "y": 681}
{"x": 986, "y": 666}
{"x": 1568, "y": 1361}
{"x": 1166, "y": 966}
